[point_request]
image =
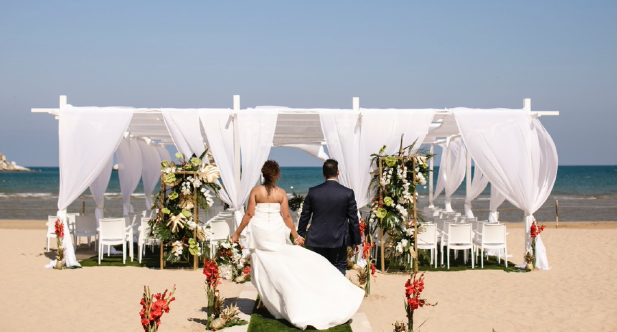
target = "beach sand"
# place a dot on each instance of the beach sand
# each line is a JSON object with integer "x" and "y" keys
{"x": 577, "y": 294}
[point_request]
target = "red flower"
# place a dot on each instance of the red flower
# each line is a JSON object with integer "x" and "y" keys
{"x": 211, "y": 271}
{"x": 59, "y": 228}
{"x": 535, "y": 230}
{"x": 153, "y": 307}
{"x": 362, "y": 227}
{"x": 366, "y": 247}
{"x": 247, "y": 270}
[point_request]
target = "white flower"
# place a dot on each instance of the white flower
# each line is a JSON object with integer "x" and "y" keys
{"x": 409, "y": 231}
{"x": 404, "y": 243}
{"x": 420, "y": 178}
{"x": 225, "y": 245}
{"x": 177, "y": 248}
{"x": 399, "y": 248}
{"x": 191, "y": 224}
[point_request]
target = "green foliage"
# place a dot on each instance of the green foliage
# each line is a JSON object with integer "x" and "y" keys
{"x": 295, "y": 202}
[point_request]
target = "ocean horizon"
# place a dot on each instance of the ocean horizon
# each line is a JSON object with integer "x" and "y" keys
{"x": 584, "y": 193}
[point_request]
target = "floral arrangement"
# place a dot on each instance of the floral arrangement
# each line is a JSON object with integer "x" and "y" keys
{"x": 190, "y": 183}
{"x": 295, "y": 202}
{"x": 153, "y": 307}
{"x": 530, "y": 257}
{"x": 413, "y": 288}
{"x": 59, "y": 230}
{"x": 394, "y": 192}
{"x": 218, "y": 317}
{"x": 233, "y": 264}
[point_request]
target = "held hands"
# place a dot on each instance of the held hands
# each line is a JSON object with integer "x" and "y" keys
{"x": 234, "y": 238}
{"x": 299, "y": 241}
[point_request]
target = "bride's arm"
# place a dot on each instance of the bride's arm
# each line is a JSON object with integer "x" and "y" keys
{"x": 250, "y": 212}
{"x": 287, "y": 217}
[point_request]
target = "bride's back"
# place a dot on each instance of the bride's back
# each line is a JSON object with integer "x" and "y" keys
{"x": 276, "y": 195}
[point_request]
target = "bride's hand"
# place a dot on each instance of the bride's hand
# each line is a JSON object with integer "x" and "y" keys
{"x": 299, "y": 241}
{"x": 234, "y": 238}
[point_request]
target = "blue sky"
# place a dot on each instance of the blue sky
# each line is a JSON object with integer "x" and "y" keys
{"x": 405, "y": 54}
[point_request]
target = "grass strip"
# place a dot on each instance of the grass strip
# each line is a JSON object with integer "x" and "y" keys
{"x": 262, "y": 321}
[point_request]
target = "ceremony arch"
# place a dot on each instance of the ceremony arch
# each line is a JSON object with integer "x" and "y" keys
{"x": 510, "y": 147}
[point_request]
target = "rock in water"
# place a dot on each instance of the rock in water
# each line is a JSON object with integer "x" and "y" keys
{"x": 6, "y": 166}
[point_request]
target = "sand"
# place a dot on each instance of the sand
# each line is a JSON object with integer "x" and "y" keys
{"x": 577, "y": 294}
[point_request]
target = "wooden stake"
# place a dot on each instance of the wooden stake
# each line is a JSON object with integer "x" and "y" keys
{"x": 556, "y": 213}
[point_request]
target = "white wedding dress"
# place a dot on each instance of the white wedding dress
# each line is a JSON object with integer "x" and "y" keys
{"x": 293, "y": 282}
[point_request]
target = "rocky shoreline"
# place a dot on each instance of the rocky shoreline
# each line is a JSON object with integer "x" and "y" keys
{"x": 10, "y": 166}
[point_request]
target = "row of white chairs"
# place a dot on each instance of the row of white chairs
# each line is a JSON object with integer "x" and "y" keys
{"x": 453, "y": 231}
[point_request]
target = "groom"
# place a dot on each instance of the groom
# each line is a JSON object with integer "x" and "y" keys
{"x": 334, "y": 226}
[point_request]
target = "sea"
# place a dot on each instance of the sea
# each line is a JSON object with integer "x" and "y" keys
{"x": 581, "y": 193}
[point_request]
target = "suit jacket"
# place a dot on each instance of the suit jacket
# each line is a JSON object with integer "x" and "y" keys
{"x": 334, "y": 213}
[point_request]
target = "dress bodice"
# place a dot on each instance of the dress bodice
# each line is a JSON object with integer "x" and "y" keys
{"x": 267, "y": 210}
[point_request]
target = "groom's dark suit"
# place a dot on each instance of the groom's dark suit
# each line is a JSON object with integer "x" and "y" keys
{"x": 334, "y": 225}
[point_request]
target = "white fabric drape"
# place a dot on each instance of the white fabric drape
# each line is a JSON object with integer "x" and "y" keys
{"x": 98, "y": 188}
{"x": 129, "y": 171}
{"x": 219, "y": 128}
{"x": 496, "y": 200}
{"x": 183, "y": 126}
{"x": 451, "y": 170}
{"x": 352, "y": 136}
{"x": 163, "y": 152}
{"x": 316, "y": 150}
{"x": 150, "y": 169}
{"x": 256, "y": 128}
{"x": 88, "y": 136}
{"x": 478, "y": 184}
{"x": 386, "y": 126}
{"x": 517, "y": 155}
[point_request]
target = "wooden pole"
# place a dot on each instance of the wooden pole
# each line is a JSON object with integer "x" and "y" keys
{"x": 196, "y": 221}
{"x": 381, "y": 244}
{"x": 415, "y": 219}
{"x": 162, "y": 199}
{"x": 556, "y": 213}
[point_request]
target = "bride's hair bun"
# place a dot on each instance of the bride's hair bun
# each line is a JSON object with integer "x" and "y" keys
{"x": 271, "y": 172}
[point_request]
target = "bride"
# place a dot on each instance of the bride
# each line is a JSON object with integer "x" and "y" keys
{"x": 294, "y": 283}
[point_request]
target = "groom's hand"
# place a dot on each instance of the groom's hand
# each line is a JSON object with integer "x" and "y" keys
{"x": 299, "y": 241}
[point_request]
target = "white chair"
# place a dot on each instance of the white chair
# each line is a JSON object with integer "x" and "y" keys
{"x": 112, "y": 231}
{"x": 143, "y": 238}
{"x": 220, "y": 231}
{"x": 132, "y": 223}
{"x": 428, "y": 240}
{"x": 51, "y": 229}
{"x": 133, "y": 220}
{"x": 71, "y": 219}
{"x": 85, "y": 226}
{"x": 493, "y": 236}
{"x": 459, "y": 238}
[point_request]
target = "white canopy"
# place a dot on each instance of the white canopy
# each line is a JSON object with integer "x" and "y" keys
{"x": 90, "y": 135}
